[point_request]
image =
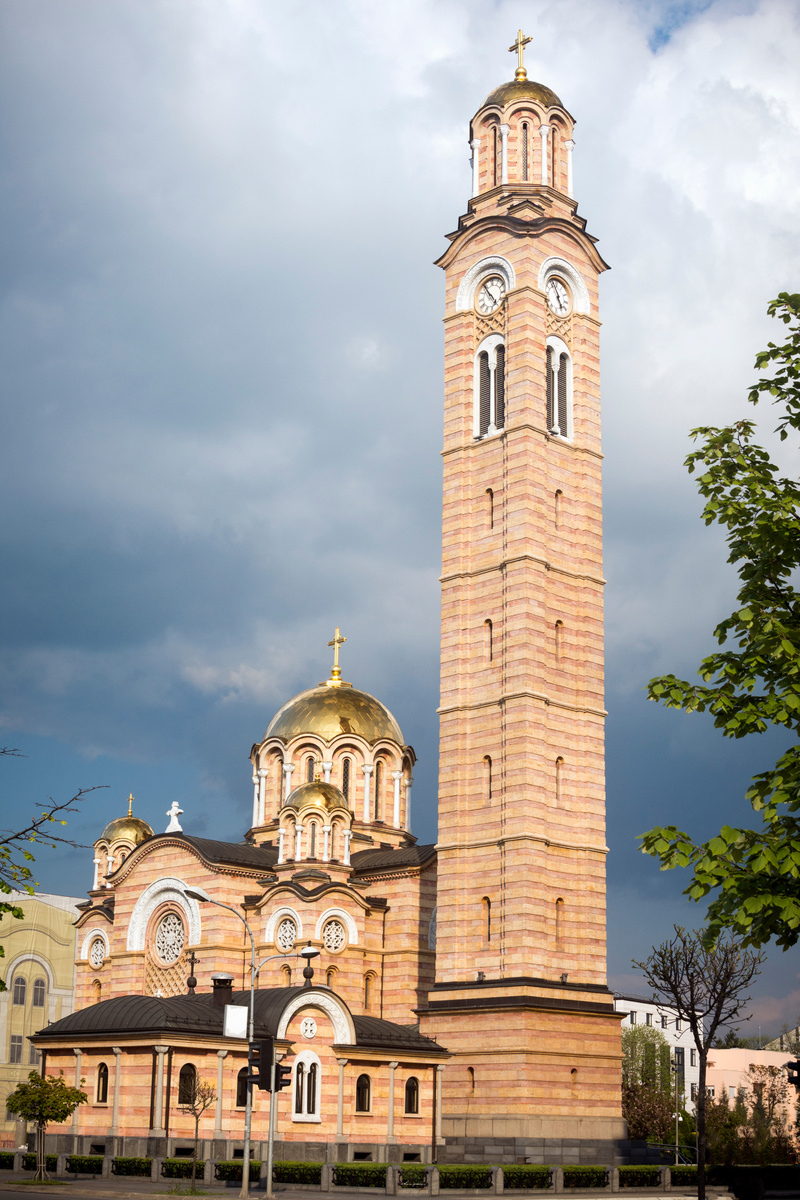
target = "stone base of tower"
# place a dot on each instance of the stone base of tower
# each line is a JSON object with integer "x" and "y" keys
{"x": 535, "y": 1073}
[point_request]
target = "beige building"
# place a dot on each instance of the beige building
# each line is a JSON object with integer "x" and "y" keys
{"x": 39, "y": 971}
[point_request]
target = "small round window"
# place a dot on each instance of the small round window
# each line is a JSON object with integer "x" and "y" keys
{"x": 287, "y": 934}
{"x": 170, "y": 937}
{"x": 97, "y": 952}
{"x": 333, "y": 936}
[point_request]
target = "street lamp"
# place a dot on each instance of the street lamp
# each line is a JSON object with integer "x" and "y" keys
{"x": 308, "y": 952}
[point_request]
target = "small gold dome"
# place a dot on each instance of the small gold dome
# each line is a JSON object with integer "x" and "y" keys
{"x": 522, "y": 89}
{"x": 129, "y": 829}
{"x": 316, "y": 795}
{"x": 330, "y": 712}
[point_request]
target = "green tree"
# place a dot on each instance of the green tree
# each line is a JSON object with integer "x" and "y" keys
{"x": 198, "y": 1095}
{"x": 45, "y": 1101}
{"x": 646, "y": 1058}
{"x": 753, "y": 683}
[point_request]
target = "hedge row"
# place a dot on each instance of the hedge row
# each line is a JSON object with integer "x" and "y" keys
{"x": 29, "y": 1162}
{"x": 230, "y": 1170}
{"x": 413, "y": 1175}
{"x": 465, "y": 1177}
{"x": 527, "y": 1176}
{"x": 639, "y": 1176}
{"x": 131, "y": 1166}
{"x": 360, "y": 1174}
{"x": 297, "y": 1172}
{"x": 85, "y": 1164}
{"x": 180, "y": 1168}
{"x": 6, "y": 1160}
{"x": 585, "y": 1177}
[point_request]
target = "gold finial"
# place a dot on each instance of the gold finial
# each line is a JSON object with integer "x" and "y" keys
{"x": 518, "y": 45}
{"x": 336, "y": 672}
{"x": 130, "y": 804}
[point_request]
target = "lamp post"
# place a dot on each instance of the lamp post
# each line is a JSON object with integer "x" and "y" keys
{"x": 204, "y": 898}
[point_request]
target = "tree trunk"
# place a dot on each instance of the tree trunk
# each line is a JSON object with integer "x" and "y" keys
{"x": 701, "y": 1126}
{"x": 41, "y": 1159}
{"x": 194, "y": 1156}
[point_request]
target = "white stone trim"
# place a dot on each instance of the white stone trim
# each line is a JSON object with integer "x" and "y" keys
{"x": 279, "y": 915}
{"x": 29, "y": 956}
{"x": 495, "y": 264}
{"x": 307, "y": 1058}
{"x": 489, "y": 345}
{"x": 89, "y": 938}
{"x": 344, "y": 917}
{"x": 164, "y": 891}
{"x": 344, "y": 1031}
{"x": 560, "y": 266}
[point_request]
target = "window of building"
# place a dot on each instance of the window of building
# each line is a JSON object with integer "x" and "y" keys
{"x": 711, "y": 1091}
{"x": 286, "y": 934}
{"x": 559, "y": 640}
{"x": 632, "y": 1018}
{"x": 286, "y": 973}
{"x": 334, "y": 936}
{"x": 20, "y": 990}
{"x": 15, "y": 1055}
{"x": 378, "y": 790}
{"x": 309, "y": 770}
{"x": 559, "y": 920}
{"x": 102, "y": 1084}
{"x": 346, "y": 778}
{"x": 677, "y": 1024}
{"x": 312, "y": 840}
{"x": 33, "y": 1055}
{"x": 524, "y": 151}
{"x": 412, "y": 1095}
{"x": 487, "y": 778}
{"x": 680, "y": 1060}
{"x": 471, "y": 1078}
{"x": 311, "y": 1090}
{"x": 39, "y": 991}
{"x": 299, "y": 1081}
{"x": 557, "y": 507}
{"x": 330, "y": 977}
{"x": 693, "y": 1091}
{"x": 692, "y": 1058}
{"x": 363, "y": 1093}
{"x": 187, "y": 1081}
{"x": 559, "y": 781}
{"x": 490, "y": 387}
{"x": 487, "y": 625}
{"x": 487, "y": 918}
{"x": 648, "y": 1018}
{"x": 663, "y": 1021}
{"x": 731, "y": 1091}
{"x": 490, "y": 498}
{"x": 558, "y": 369}
{"x": 367, "y": 992}
{"x": 241, "y": 1088}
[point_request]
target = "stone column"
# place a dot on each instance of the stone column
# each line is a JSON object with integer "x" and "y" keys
{"x": 287, "y": 779}
{"x": 396, "y": 776}
{"x": 280, "y": 846}
{"x": 158, "y": 1112}
{"x": 218, "y": 1131}
{"x": 504, "y": 152}
{"x": 109, "y": 867}
{"x": 543, "y": 132}
{"x": 367, "y": 769}
{"x": 439, "y": 1079}
{"x": 327, "y": 767}
{"x": 555, "y": 427}
{"x": 492, "y": 392}
{"x": 326, "y": 832}
{"x": 298, "y": 842}
{"x": 78, "y": 1069}
{"x": 409, "y": 782}
{"x": 570, "y": 145}
{"x": 340, "y": 1101}
{"x": 255, "y": 798}
{"x": 347, "y": 836}
{"x": 390, "y": 1122}
{"x": 262, "y": 793}
{"x": 96, "y": 883}
{"x": 117, "y": 1078}
{"x": 475, "y": 146}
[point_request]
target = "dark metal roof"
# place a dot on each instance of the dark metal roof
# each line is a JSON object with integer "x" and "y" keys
{"x": 365, "y": 861}
{"x": 198, "y": 1015}
{"x": 237, "y": 854}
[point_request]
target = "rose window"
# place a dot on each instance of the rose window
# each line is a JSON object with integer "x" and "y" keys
{"x": 97, "y": 952}
{"x": 287, "y": 934}
{"x": 170, "y": 937}
{"x": 333, "y": 936}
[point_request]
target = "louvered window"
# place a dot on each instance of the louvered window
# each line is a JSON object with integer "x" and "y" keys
{"x": 549, "y": 374}
{"x": 346, "y": 778}
{"x": 496, "y": 156}
{"x": 485, "y": 393}
{"x": 311, "y": 1090}
{"x": 563, "y": 367}
{"x": 500, "y": 388}
{"x": 525, "y": 150}
{"x": 378, "y": 790}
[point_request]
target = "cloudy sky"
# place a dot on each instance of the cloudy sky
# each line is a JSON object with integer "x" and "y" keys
{"x": 222, "y": 380}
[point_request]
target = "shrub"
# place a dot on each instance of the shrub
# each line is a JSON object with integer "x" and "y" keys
{"x": 180, "y": 1168}
{"x": 85, "y": 1164}
{"x": 639, "y": 1176}
{"x": 413, "y": 1175}
{"x": 6, "y": 1160}
{"x": 527, "y": 1176}
{"x": 297, "y": 1172}
{"x": 29, "y": 1162}
{"x": 465, "y": 1177}
{"x": 230, "y": 1170}
{"x": 131, "y": 1166}
{"x": 585, "y": 1177}
{"x": 360, "y": 1174}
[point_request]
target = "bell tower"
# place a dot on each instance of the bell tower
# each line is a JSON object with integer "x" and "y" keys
{"x": 520, "y": 997}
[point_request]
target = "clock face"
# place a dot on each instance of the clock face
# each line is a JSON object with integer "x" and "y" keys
{"x": 490, "y": 294}
{"x": 557, "y": 297}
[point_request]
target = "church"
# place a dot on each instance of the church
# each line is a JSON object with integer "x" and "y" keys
{"x": 452, "y": 1004}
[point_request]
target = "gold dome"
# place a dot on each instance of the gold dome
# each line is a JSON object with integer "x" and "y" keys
{"x": 522, "y": 89}
{"x": 129, "y": 829}
{"x": 330, "y": 712}
{"x": 316, "y": 795}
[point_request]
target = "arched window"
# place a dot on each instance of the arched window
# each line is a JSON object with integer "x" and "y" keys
{"x": 367, "y": 992}
{"x": 559, "y": 388}
{"x": 299, "y": 1078}
{"x": 20, "y": 989}
{"x": 525, "y": 151}
{"x": 279, "y": 785}
{"x": 496, "y": 151}
{"x": 487, "y": 625}
{"x": 363, "y": 1093}
{"x": 490, "y": 388}
{"x": 330, "y": 977}
{"x": 311, "y": 1089}
{"x": 487, "y": 918}
{"x": 412, "y": 1095}
{"x": 559, "y": 781}
{"x": 309, "y": 769}
{"x": 559, "y": 639}
{"x": 490, "y": 498}
{"x": 559, "y": 920}
{"x": 187, "y": 1084}
{"x": 241, "y": 1088}
{"x": 286, "y": 973}
{"x": 346, "y": 779}
{"x": 557, "y": 508}
{"x": 487, "y": 779}
{"x": 102, "y": 1084}
{"x": 39, "y": 991}
{"x": 312, "y": 840}
{"x": 471, "y": 1078}
{"x": 378, "y": 790}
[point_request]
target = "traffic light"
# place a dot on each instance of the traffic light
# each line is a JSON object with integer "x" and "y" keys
{"x": 261, "y": 1057}
{"x": 793, "y": 1071}
{"x": 283, "y": 1077}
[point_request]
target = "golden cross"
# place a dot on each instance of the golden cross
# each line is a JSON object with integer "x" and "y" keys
{"x": 130, "y": 804}
{"x": 336, "y": 643}
{"x": 518, "y": 45}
